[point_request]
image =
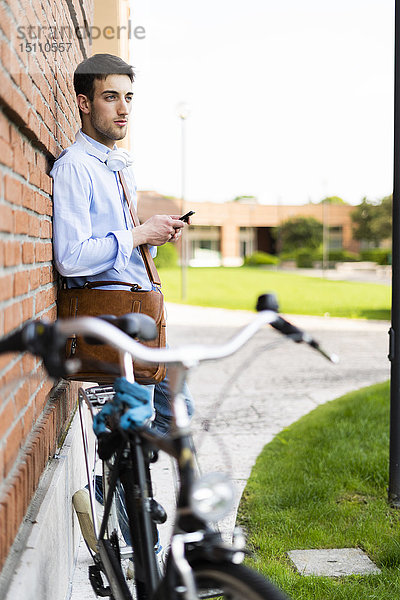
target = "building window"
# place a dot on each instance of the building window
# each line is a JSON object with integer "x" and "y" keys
{"x": 335, "y": 238}
{"x": 205, "y": 245}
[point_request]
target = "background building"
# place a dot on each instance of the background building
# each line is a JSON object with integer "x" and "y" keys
{"x": 227, "y": 233}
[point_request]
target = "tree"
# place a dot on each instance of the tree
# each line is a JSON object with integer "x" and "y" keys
{"x": 372, "y": 221}
{"x": 245, "y": 199}
{"x": 332, "y": 200}
{"x": 300, "y": 232}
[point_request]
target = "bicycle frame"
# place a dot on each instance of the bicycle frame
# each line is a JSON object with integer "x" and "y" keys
{"x": 131, "y": 468}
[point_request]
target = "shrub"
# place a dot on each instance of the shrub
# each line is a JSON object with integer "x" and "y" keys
{"x": 343, "y": 256}
{"x": 338, "y": 256}
{"x": 382, "y": 256}
{"x": 167, "y": 256}
{"x": 305, "y": 259}
{"x": 258, "y": 259}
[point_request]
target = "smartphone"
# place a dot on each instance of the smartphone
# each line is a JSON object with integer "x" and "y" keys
{"x": 185, "y": 217}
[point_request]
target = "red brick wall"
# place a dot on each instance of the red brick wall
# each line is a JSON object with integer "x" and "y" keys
{"x": 37, "y": 118}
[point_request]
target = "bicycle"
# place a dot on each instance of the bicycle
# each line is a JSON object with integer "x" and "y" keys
{"x": 199, "y": 563}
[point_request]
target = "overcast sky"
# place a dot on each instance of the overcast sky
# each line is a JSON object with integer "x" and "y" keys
{"x": 291, "y": 100}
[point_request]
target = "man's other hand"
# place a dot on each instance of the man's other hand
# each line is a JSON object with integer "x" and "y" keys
{"x": 158, "y": 230}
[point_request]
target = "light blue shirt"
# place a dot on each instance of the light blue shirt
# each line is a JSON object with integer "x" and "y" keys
{"x": 92, "y": 226}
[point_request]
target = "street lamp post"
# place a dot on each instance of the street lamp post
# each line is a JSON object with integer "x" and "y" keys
{"x": 394, "y": 346}
{"x": 183, "y": 112}
{"x": 325, "y": 236}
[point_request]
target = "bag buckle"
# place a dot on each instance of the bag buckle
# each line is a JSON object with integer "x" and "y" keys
{"x": 136, "y": 287}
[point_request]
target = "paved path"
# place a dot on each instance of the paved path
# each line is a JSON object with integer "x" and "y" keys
{"x": 273, "y": 390}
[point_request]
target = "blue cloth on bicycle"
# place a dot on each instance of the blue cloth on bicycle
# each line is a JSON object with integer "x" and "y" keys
{"x": 137, "y": 398}
{"x": 100, "y": 419}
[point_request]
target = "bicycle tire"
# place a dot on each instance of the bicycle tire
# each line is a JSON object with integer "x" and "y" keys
{"x": 124, "y": 566}
{"x": 234, "y": 582}
{"x": 113, "y": 571}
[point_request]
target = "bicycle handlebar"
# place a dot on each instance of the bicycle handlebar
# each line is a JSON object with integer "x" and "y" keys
{"x": 47, "y": 340}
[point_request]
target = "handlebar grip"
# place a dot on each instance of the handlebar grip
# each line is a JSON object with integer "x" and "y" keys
{"x": 296, "y": 334}
{"x": 136, "y": 325}
{"x": 16, "y": 342}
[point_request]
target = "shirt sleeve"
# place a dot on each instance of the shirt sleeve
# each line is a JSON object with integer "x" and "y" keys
{"x": 76, "y": 251}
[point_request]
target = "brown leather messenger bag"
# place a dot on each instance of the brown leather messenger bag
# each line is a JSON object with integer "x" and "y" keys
{"x": 89, "y": 301}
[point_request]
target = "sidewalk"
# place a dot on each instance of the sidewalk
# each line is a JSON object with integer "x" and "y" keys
{"x": 274, "y": 389}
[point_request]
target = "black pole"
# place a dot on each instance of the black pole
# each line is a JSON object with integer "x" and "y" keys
{"x": 394, "y": 350}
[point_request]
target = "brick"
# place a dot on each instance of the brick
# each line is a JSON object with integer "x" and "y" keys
{"x": 34, "y": 123}
{"x": 28, "y": 363}
{"x": 44, "y": 299}
{"x": 15, "y": 67}
{"x": 40, "y": 204}
{"x": 4, "y": 508}
{"x": 44, "y": 138}
{"x": 43, "y": 252}
{"x": 46, "y": 183}
{"x": 20, "y": 163}
{"x": 6, "y": 24}
{"x": 12, "y": 254}
{"x": 20, "y": 106}
{"x": 12, "y": 446}
{"x": 28, "y": 197}
{"x": 34, "y": 173}
{"x": 27, "y": 309}
{"x": 39, "y": 105}
{"x": 13, "y": 374}
{"x": 5, "y": 53}
{"x": 21, "y": 397}
{"x": 25, "y": 495}
{"x": 25, "y": 81}
{"x": 21, "y": 283}
{"x": 6, "y": 218}
{"x": 45, "y": 229}
{"x": 49, "y": 207}
{"x": 40, "y": 403}
{"x": 6, "y": 287}
{"x": 27, "y": 422}
{"x": 22, "y": 222}
{"x": 51, "y": 314}
{"x": 7, "y": 416}
{"x": 29, "y": 152}
{"x": 4, "y": 128}
{"x": 12, "y": 317}
{"x": 46, "y": 275}
{"x": 3, "y": 530}
{"x": 6, "y": 89}
{"x": 28, "y": 252}
{"x": 35, "y": 279}
{"x": 35, "y": 226}
{"x": 6, "y": 155}
{"x": 12, "y": 189}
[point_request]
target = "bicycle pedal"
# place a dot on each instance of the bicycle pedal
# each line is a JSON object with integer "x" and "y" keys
{"x": 158, "y": 514}
{"x": 97, "y": 582}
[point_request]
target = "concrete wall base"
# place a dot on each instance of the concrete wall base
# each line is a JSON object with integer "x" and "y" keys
{"x": 42, "y": 559}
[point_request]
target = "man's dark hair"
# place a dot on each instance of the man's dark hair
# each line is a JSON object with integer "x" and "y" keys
{"x": 99, "y": 66}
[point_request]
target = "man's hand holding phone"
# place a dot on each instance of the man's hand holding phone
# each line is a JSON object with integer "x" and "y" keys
{"x": 186, "y": 217}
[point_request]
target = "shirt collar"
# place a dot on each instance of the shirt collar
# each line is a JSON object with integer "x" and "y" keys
{"x": 99, "y": 150}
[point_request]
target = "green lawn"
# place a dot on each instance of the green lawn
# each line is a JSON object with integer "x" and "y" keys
{"x": 322, "y": 483}
{"x": 238, "y": 288}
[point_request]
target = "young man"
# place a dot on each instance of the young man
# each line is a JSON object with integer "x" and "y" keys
{"x": 94, "y": 239}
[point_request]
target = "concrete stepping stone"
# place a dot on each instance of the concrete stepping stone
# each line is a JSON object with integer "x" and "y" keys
{"x": 335, "y": 562}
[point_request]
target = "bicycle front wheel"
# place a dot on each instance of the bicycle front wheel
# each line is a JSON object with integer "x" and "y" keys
{"x": 233, "y": 582}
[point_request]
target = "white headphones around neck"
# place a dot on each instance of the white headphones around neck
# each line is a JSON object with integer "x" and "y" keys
{"x": 116, "y": 159}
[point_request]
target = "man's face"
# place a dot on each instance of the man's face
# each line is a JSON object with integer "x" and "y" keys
{"x": 106, "y": 116}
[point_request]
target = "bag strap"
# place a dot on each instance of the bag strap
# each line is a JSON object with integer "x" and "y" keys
{"x": 144, "y": 249}
{"x": 135, "y": 287}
